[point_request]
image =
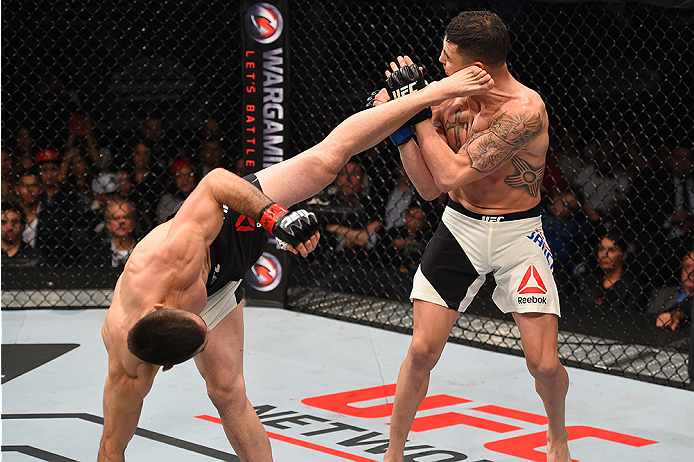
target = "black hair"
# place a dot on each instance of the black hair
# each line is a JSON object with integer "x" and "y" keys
{"x": 480, "y": 35}
{"x": 166, "y": 337}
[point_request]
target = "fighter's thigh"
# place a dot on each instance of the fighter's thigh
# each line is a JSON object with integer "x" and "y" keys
{"x": 222, "y": 358}
{"x": 432, "y": 324}
{"x": 539, "y": 332}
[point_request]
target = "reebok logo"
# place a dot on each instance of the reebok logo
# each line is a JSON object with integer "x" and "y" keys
{"x": 245, "y": 223}
{"x": 532, "y": 299}
{"x": 532, "y": 284}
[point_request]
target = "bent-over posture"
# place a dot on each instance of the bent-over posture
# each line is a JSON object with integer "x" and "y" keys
{"x": 179, "y": 294}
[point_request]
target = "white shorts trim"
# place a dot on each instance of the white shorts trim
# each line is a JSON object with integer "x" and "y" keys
{"x": 220, "y": 304}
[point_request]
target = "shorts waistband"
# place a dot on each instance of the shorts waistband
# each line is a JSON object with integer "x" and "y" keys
{"x": 531, "y": 213}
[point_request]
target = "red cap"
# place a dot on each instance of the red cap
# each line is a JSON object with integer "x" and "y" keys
{"x": 47, "y": 155}
{"x": 179, "y": 164}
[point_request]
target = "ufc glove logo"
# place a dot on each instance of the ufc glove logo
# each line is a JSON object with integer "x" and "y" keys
{"x": 399, "y": 92}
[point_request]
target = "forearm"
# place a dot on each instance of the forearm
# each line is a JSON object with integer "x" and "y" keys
{"x": 227, "y": 188}
{"x": 120, "y": 424}
{"x": 418, "y": 171}
{"x": 449, "y": 169}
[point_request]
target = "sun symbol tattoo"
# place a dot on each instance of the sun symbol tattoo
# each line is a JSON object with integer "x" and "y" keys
{"x": 527, "y": 176}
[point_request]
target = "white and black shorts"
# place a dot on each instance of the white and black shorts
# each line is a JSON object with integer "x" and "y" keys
{"x": 467, "y": 246}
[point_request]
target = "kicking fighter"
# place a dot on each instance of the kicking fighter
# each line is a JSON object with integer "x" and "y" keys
{"x": 179, "y": 294}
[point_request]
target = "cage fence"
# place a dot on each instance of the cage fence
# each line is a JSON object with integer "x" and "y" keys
{"x": 138, "y": 100}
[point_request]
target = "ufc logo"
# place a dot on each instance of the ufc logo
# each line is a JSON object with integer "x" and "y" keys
{"x": 402, "y": 91}
{"x": 495, "y": 419}
{"x": 492, "y": 219}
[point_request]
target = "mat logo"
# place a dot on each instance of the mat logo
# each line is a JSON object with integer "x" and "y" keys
{"x": 266, "y": 273}
{"x": 485, "y": 417}
{"x": 532, "y": 284}
{"x": 344, "y": 439}
{"x": 264, "y": 23}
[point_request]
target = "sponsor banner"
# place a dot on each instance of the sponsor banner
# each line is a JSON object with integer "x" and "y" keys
{"x": 264, "y": 138}
{"x": 266, "y": 282}
{"x": 265, "y": 83}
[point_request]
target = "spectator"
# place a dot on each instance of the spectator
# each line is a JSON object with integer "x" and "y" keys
{"x": 61, "y": 213}
{"x": 210, "y": 130}
{"x": 146, "y": 178}
{"x": 603, "y": 183}
{"x": 565, "y": 149}
{"x": 9, "y": 176}
{"x": 79, "y": 174}
{"x": 679, "y": 165}
{"x": 211, "y": 155}
{"x": 566, "y": 231}
{"x": 184, "y": 182}
{"x": 153, "y": 135}
{"x": 120, "y": 221}
{"x": 24, "y": 149}
{"x": 14, "y": 251}
{"x": 672, "y": 304}
{"x": 81, "y": 135}
{"x": 399, "y": 208}
{"x": 410, "y": 245}
{"x": 615, "y": 288}
{"x": 661, "y": 211}
{"x": 105, "y": 187}
{"x": 28, "y": 191}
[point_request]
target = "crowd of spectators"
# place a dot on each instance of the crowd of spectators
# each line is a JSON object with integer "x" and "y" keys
{"x": 85, "y": 203}
{"x": 617, "y": 217}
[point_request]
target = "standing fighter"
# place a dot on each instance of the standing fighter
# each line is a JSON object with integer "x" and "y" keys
{"x": 487, "y": 151}
{"x": 179, "y": 294}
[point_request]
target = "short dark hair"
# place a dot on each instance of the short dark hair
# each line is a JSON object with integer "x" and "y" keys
{"x": 166, "y": 337}
{"x": 8, "y": 206}
{"x": 481, "y": 35}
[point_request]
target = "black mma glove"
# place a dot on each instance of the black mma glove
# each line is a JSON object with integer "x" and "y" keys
{"x": 371, "y": 99}
{"x": 291, "y": 228}
{"x": 405, "y": 80}
{"x": 401, "y": 82}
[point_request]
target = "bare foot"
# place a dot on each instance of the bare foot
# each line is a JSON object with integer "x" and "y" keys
{"x": 558, "y": 452}
{"x": 391, "y": 458}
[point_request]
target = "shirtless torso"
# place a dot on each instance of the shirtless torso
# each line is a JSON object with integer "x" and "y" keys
{"x": 157, "y": 273}
{"x": 504, "y": 140}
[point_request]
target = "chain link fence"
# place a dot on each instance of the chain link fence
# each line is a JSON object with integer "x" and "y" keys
{"x": 133, "y": 102}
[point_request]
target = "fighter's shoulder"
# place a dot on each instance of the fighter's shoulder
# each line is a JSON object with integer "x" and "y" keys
{"x": 453, "y": 105}
{"x": 525, "y": 101}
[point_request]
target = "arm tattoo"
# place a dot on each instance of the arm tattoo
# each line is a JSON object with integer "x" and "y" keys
{"x": 506, "y": 134}
{"x": 527, "y": 176}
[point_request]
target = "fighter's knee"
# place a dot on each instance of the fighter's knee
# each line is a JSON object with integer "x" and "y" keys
{"x": 545, "y": 369}
{"x": 331, "y": 156}
{"x": 226, "y": 390}
{"x": 423, "y": 355}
